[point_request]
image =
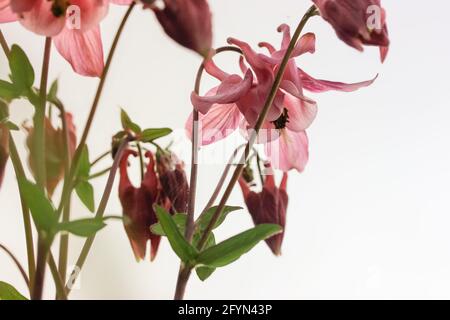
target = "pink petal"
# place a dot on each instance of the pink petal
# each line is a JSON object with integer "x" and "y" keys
{"x": 289, "y": 152}
{"x": 83, "y": 50}
{"x": 314, "y": 85}
{"x": 6, "y": 14}
{"x": 41, "y": 20}
{"x": 212, "y": 69}
{"x": 230, "y": 90}
{"x": 91, "y": 12}
{"x": 221, "y": 121}
{"x": 301, "y": 112}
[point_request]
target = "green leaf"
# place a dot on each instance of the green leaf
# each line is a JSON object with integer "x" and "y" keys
{"x": 232, "y": 249}
{"x": 149, "y": 135}
{"x": 84, "y": 167}
{"x": 180, "y": 220}
{"x": 41, "y": 208}
{"x": 53, "y": 92}
{"x": 8, "y": 91}
{"x": 22, "y": 73}
{"x": 204, "y": 273}
{"x": 203, "y": 221}
{"x": 8, "y": 292}
{"x": 85, "y": 192}
{"x": 83, "y": 228}
{"x": 128, "y": 124}
{"x": 180, "y": 246}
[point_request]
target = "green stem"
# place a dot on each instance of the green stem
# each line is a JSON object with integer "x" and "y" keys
{"x": 64, "y": 238}
{"x": 4, "y": 44}
{"x": 100, "y": 211}
{"x": 20, "y": 174}
{"x": 17, "y": 263}
{"x": 41, "y": 175}
{"x": 68, "y": 183}
{"x": 141, "y": 160}
{"x": 99, "y": 174}
{"x": 59, "y": 283}
{"x": 100, "y": 158}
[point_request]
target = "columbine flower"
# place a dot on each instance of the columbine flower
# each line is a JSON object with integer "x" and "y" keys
{"x": 188, "y": 22}
{"x": 4, "y": 150}
{"x": 74, "y": 27}
{"x": 357, "y": 22}
{"x": 173, "y": 181}
{"x": 54, "y": 152}
{"x": 268, "y": 206}
{"x": 238, "y": 101}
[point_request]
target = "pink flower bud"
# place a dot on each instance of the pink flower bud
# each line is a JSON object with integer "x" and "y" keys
{"x": 357, "y": 22}
{"x": 268, "y": 206}
{"x": 173, "y": 181}
{"x": 188, "y": 22}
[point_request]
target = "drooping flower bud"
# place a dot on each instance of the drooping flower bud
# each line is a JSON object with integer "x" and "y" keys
{"x": 357, "y": 22}
{"x": 55, "y": 150}
{"x": 173, "y": 180}
{"x": 268, "y": 206}
{"x": 137, "y": 204}
{"x": 188, "y": 22}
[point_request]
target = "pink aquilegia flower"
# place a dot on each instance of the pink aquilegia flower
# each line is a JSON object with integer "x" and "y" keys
{"x": 268, "y": 206}
{"x": 74, "y": 27}
{"x": 238, "y": 101}
{"x": 188, "y": 22}
{"x": 357, "y": 22}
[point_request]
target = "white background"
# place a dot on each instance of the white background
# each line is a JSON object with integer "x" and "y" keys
{"x": 369, "y": 218}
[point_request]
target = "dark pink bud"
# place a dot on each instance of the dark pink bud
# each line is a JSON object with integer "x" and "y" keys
{"x": 173, "y": 181}
{"x": 137, "y": 204}
{"x": 268, "y": 206}
{"x": 357, "y": 22}
{"x": 188, "y": 22}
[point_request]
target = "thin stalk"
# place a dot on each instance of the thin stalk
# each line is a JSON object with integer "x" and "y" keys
{"x": 77, "y": 156}
{"x": 100, "y": 157}
{"x": 99, "y": 174}
{"x": 141, "y": 160}
{"x": 20, "y": 174}
{"x": 100, "y": 211}
{"x": 59, "y": 283}
{"x": 64, "y": 238}
{"x": 41, "y": 174}
{"x": 4, "y": 44}
{"x": 17, "y": 263}
{"x": 238, "y": 171}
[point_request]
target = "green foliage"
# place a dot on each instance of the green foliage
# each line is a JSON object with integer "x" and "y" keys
{"x": 185, "y": 251}
{"x": 83, "y": 187}
{"x": 8, "y": 292}
{"x": 22, "y": 73}
{"x": 205, "y": 219}
{"x": 233, "y": 248}
{"x": 128, "y": 124}
{"x": 84, "y": 227}
{"x": 150, "y": 135}
{"x": 41, "y": 208}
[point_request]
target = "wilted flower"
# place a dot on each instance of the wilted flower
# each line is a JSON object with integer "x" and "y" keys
{"x": 54, "y": 152}
{"x": 173, "y": 181}
{"x": 357, "y": 22}
{"x": 238, "y": 101}
{"x": 268, "y": 206}
{"x": 188, "y": 22}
